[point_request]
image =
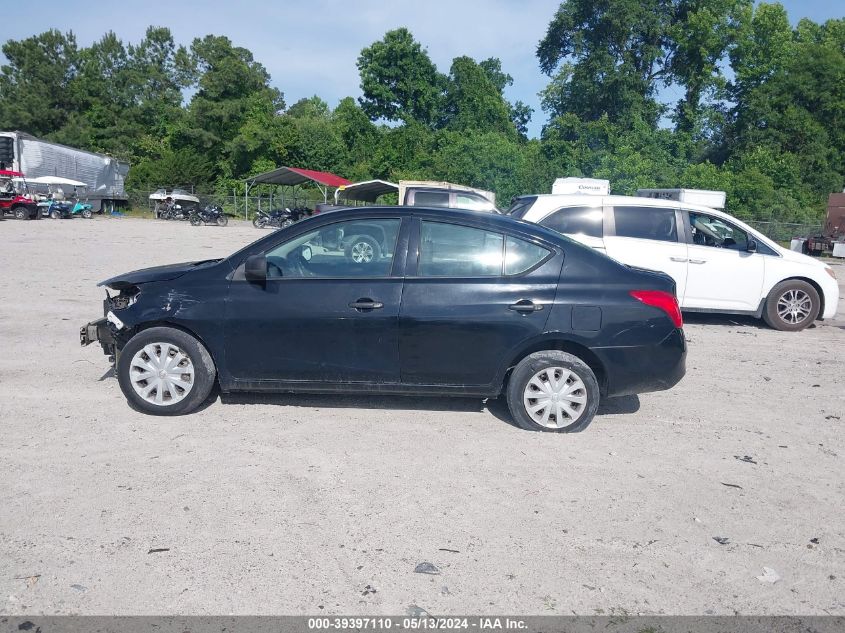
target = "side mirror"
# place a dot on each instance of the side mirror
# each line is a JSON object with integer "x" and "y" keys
{"x": 751, "y": 246}
{"x": 255, "y": 269}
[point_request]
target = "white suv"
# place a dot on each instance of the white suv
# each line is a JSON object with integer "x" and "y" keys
{"x": 718, "y": 263}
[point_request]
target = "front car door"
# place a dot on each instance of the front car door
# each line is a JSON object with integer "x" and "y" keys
{"x": 650, "y": 238}
{"x": 471, "y": 296}
{"x": 722, "y": 275}
{"x": 329, "y": 311}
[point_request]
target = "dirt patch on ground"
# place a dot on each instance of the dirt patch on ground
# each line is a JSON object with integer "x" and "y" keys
{"x": 670, "y": 503}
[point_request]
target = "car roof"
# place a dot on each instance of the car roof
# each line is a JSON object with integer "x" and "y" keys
{"x": 550, "y": 202}
{"x": 547, "y": 203}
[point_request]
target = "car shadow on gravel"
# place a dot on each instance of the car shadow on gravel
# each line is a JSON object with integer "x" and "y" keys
{"x": 497, "y": 407}
{"x": 727, "y": 320}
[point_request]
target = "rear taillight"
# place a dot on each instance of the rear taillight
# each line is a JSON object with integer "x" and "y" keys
{"x": 666, "y": 301}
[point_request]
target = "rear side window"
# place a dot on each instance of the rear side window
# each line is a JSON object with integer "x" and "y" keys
{"x": 472, "y": 202}
{"x": 431, "y": 199}
{"x": 449, "y": 250}
{"x": 646, "y": 223}
{"x": 521, "y": 255}
{"x": 576, "y": 221}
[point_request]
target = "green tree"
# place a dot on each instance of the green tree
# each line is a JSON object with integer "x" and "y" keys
{"x": 604, "y": 59}
{"x": 35, "y": 93}
{"x": 399, "y": 80}
{"x": 473, "y": 102}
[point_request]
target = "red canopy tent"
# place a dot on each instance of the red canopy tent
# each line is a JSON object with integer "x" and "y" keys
{"x": 293, "y": 176}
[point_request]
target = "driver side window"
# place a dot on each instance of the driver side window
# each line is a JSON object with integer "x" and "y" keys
{"x": 356, "y": 248}
{"x": 708, "y": 230}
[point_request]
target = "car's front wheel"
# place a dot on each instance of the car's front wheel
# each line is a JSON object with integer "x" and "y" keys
{"x": 165, "y": 371}
{"x": 792, "y": 305}
{"x": 362, "y": 249}
{"x": 553, "y": 391}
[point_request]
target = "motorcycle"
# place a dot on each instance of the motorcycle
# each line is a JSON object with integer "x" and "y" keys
{"x": 279, "y": 218}
{"x": 176, "y": 212}
{"x": 209, "y": 215}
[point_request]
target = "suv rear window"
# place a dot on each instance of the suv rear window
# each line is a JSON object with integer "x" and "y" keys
{"x": 576, "y": 221}
{"x": 431, "y": 199}
{"x": 646, "y": 223}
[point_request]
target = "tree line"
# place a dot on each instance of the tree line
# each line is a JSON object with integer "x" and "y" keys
{"x": 712, "y": 94}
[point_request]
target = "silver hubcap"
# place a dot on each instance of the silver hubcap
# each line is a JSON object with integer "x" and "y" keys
{"x": 362, "y": 252}
{"x": 794, "y": 306}
{"x": 161, "y": 373}
{"x": 555, "y": 397}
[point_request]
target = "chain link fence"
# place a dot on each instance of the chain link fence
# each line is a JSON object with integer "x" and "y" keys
{"x": 785, "y": 231}
{"x": 234, "y": 203}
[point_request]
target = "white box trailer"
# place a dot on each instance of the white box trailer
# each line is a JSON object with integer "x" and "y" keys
{"x": 589, "y": 186}
{"x": 703, "y": 197}
{"x": 103, "y": 175}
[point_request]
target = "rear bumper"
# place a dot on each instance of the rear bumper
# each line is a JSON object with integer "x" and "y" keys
{"x": 644, "y": 368}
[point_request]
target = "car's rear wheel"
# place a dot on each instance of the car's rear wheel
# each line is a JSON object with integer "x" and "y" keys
{"x": 792, "y": 305}
{"x": 165, "y": 371}
{"x": 553, "y": 391}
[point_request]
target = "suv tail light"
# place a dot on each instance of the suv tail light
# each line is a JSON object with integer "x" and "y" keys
{"x": 664, "y": 300}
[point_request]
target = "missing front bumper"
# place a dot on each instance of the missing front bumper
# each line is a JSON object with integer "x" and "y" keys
{"x": 99, "y": 331}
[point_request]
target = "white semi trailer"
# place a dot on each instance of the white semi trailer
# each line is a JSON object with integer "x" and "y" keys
{"x": 103, "y": 175}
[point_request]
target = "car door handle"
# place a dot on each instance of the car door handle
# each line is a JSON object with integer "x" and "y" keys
{"x": 698, "y": 261}
{"x": 679, "y": 259}
{"x": 366, "y": 304}
{"x": 525, "y": 306}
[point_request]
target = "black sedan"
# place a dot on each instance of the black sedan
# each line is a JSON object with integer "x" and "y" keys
{"x": 396, "y": 300}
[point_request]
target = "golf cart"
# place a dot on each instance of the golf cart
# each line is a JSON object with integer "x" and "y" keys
{"x": 55, "y": 205}
{"x": 14, "y": 196}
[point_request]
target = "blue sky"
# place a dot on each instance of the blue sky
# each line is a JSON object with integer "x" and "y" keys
{"x": 311, "y": 47}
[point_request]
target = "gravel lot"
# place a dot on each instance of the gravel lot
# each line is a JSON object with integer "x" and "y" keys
{"x": 318, "y": 504}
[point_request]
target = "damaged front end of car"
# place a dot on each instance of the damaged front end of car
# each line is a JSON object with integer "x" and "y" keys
{"x": 110, "y": 331}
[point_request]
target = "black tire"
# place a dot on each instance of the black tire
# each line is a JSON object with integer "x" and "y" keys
{"x": 55, "y": 215}
{"x": 259, "y": 221}
{"x": 195, "y": 220}
{"x": 804, "y": 295}
{"x": 21, "y": 213}
{"x": 529, "y": 366}
{"x": 204, "y": 370}
{"x": 86, "y": 213}
{"x": 362, "y": 250}
{"x": 222, "y": 220}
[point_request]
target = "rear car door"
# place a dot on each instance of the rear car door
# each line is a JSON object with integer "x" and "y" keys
{"x": 723, "y": 275}
{"x": 471, "y": 296}
{"x": 329, "y": 310}
{"x": 650, "y": 238}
